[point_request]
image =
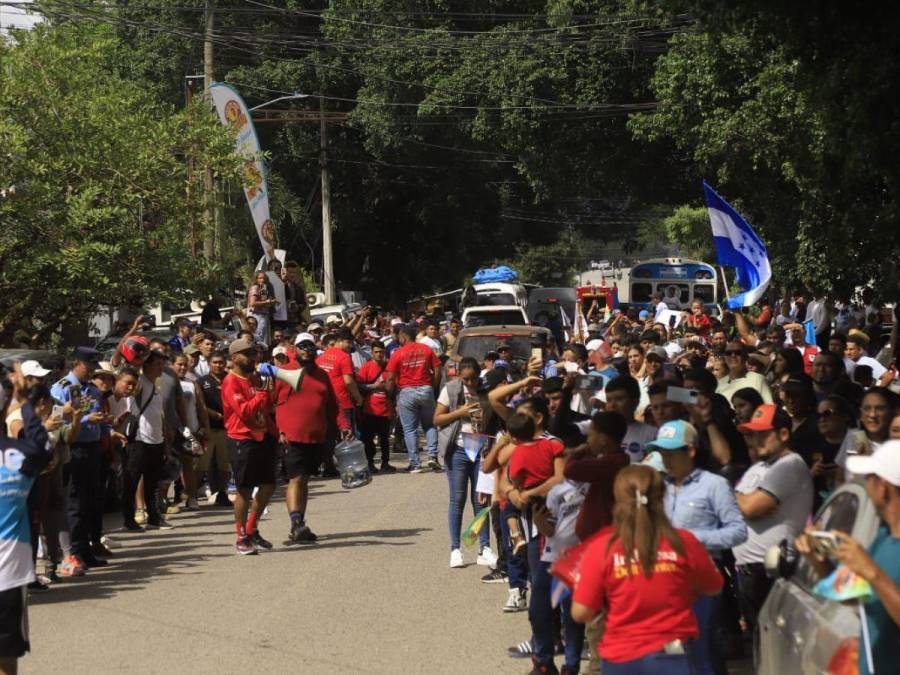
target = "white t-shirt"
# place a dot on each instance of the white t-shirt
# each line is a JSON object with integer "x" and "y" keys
{"x": 466, "y": 426}
{"x": 190, "y": 404}
{"x": 855, "y": 443}
{"x": 564, "y": 503}
{"x": 150, "y": 426}
{"x": 877, "y": 369}
{"x": 789, "y": 481}
{"x": 636, "y": 439}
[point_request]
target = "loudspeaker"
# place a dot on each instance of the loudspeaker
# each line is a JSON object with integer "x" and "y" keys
{"x": 315, "y": 299}
{"x": 289, "y": 377}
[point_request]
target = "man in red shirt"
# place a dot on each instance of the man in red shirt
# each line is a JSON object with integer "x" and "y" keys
{"x": 415, "y": 370}
{"x": 337, "y": 363}
{"x": 377, "y": 408}
{"x": 247, "y": 408}
{"x": 304, "y": 417}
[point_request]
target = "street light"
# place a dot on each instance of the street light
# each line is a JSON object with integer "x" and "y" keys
{"x": 291, "y": 97}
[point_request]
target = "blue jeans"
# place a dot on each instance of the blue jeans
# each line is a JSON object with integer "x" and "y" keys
{"x": 516, "y": 567}
{"x": 416, "y": 406}
{"x": 460, "y": 470}
{"x": 709, "y": 652}
{"x": 540, "y": 614}
{"x": 653, "y": 664}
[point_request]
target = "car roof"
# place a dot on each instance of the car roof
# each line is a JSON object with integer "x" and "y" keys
{"x": 488, "y": 309}
{"x": 510, "y": 331}
{"x": 9, "y": 356}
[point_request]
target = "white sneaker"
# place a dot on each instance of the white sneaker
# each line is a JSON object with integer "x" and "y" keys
{"x": 456, "y": 559}
{"x": 487, "y": 558}
{"x": 517, "y": 601}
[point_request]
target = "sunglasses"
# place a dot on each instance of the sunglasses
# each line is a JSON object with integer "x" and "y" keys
{"x": 733, "y": 352}
{"x": 825, "y": 414}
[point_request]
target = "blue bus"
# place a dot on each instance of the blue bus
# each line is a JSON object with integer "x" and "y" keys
{"x": 673, "y": 277}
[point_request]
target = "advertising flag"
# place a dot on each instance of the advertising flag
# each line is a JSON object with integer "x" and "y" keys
{"x": 233, "y": 113}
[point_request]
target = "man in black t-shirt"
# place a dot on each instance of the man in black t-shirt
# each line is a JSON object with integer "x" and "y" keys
{"x": 216, "y": 448}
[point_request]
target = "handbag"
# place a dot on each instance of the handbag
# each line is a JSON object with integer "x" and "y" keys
{"x": 132, "y": 422}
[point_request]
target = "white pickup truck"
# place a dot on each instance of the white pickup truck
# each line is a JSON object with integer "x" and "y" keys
{"x": 495, "y": 315}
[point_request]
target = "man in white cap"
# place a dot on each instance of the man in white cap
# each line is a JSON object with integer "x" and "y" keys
{"x": 880, "y": 563}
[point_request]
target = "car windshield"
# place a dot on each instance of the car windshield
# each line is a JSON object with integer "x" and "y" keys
{"x": 506, "y": 317}
{"x": 495, "y": 299}
{"x": 477, "y": 346}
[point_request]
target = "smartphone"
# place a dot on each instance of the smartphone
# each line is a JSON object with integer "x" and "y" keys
{"x": 74, "y": 392}
{"x": 537, "y": 353}
{"x": 682, "y": 395}
{"x": 824, "y": 543}
{"x": 57, "y": 411}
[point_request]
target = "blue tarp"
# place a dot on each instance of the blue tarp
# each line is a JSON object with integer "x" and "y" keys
{"x": 488, "y": 275}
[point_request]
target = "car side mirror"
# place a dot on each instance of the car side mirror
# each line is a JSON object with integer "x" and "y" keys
{"x": 781, "y": 561}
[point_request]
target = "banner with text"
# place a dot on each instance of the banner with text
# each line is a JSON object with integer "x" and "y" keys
{"x": 233, "y": 113}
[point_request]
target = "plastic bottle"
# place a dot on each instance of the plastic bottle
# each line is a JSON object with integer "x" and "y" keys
{"x": 350, "y": 459}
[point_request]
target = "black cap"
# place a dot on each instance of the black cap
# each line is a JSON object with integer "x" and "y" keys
{"x": 87, "y": 355}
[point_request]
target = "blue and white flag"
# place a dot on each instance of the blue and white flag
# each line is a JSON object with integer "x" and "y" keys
{"x": 738, "y": 246}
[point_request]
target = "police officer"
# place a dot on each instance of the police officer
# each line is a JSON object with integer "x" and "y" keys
{"x": 84, "y": 468}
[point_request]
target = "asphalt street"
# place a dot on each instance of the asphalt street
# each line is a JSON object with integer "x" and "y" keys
{"x": 375, "y": 595}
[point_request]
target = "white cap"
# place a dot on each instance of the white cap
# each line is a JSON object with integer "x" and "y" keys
{"x": 315, "y": 325}
{"x": 884, "y": 463}
{"x": 396, "y": 321}
{"x": 32, "y": 368}
{"x": 279, "y": 351}
{"x": 304, "y": 336}
{"x": 333, "y": 318}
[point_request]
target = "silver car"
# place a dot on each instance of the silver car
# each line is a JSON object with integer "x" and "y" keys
{"x": 799, "y": 632}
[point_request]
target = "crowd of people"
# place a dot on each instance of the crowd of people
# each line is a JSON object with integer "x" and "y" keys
{"x": 670, "y": 456}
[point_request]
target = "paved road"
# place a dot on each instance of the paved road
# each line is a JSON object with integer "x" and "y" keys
{"x": 375, "y": 595}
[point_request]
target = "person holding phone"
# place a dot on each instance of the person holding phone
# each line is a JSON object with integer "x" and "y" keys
{"x": 85, "y": 463}
{"x": 879, "y": 563}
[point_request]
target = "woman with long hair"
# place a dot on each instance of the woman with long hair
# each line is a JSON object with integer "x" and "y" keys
{"x": 260, "y": 303}
{"x": 645, "y": 575}
{"x": 788, "y": 363}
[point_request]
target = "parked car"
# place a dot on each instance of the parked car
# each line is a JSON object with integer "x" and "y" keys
{"x": 500, "y": 315}
{"x": 477, "y": 342}
{"x": 10, "y": 356}
{"x": 799, "y": 632}
{"x": 322, "y": 312}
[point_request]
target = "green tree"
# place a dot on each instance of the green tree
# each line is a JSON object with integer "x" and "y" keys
{"x": 102, "y": 196}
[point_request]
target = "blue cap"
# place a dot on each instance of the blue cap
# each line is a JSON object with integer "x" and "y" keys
{"x": 643, "y": 314}
{"x": 674, "y": 436}
{"x": 501, "y": 363}
{"x": 87, "y": 355}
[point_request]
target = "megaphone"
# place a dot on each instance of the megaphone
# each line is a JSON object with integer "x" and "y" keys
{"x": 292, "y": 378}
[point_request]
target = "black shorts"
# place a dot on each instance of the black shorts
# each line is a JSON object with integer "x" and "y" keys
{"x": 14, "y": 622}
{"x": 252, "y": 462}
{"x": 301, "y": 459}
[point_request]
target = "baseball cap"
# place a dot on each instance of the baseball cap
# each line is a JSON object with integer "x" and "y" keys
{"x": 594, "y": 328}
{"x": 307, "y": 345}
{"x": 501, "y": 345}
{"x": 333, "y": 318}
{"x": 32, "y": 368}
{"x": 191, "y": 349}
{"x": 87, "y": 355}
{"x": 884, "y": 463}
{"x": 501, "y": 363}
{"x": 767, "y": 416}
{"x": 396, "y": 322}
{"x": 105, "y": 368}
{"x": 658, "y": 352}
{"x": 303, "y": 337}
{"x": 279, "y": 351}
{"x": 315, "y": 325}
{"x": 241, "y": 345}
{"x": 674, "y": 435}
{"x": 643, "y": 314}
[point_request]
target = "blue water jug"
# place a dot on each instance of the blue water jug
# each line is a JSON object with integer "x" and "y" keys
{"x": 351, "y": 462}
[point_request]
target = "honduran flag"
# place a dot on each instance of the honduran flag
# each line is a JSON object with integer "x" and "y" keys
{"x": 738, "y": 246}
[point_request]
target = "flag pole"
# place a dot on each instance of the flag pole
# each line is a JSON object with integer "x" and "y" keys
{"x": 724, "y": 285}
{"x": 867, "y": 641}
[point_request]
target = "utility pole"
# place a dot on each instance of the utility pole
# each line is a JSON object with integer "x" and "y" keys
{"x": 327, "y": 261}
{"x": 210, "y": 220}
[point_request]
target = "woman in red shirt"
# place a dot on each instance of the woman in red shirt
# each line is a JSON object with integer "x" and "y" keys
{"x": 645, "y": 575}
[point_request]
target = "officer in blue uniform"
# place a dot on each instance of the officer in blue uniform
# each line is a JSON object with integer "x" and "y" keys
{"x": 84, "y": 468}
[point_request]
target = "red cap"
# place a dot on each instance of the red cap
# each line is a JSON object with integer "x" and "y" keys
{"x": 766, "y": 417}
